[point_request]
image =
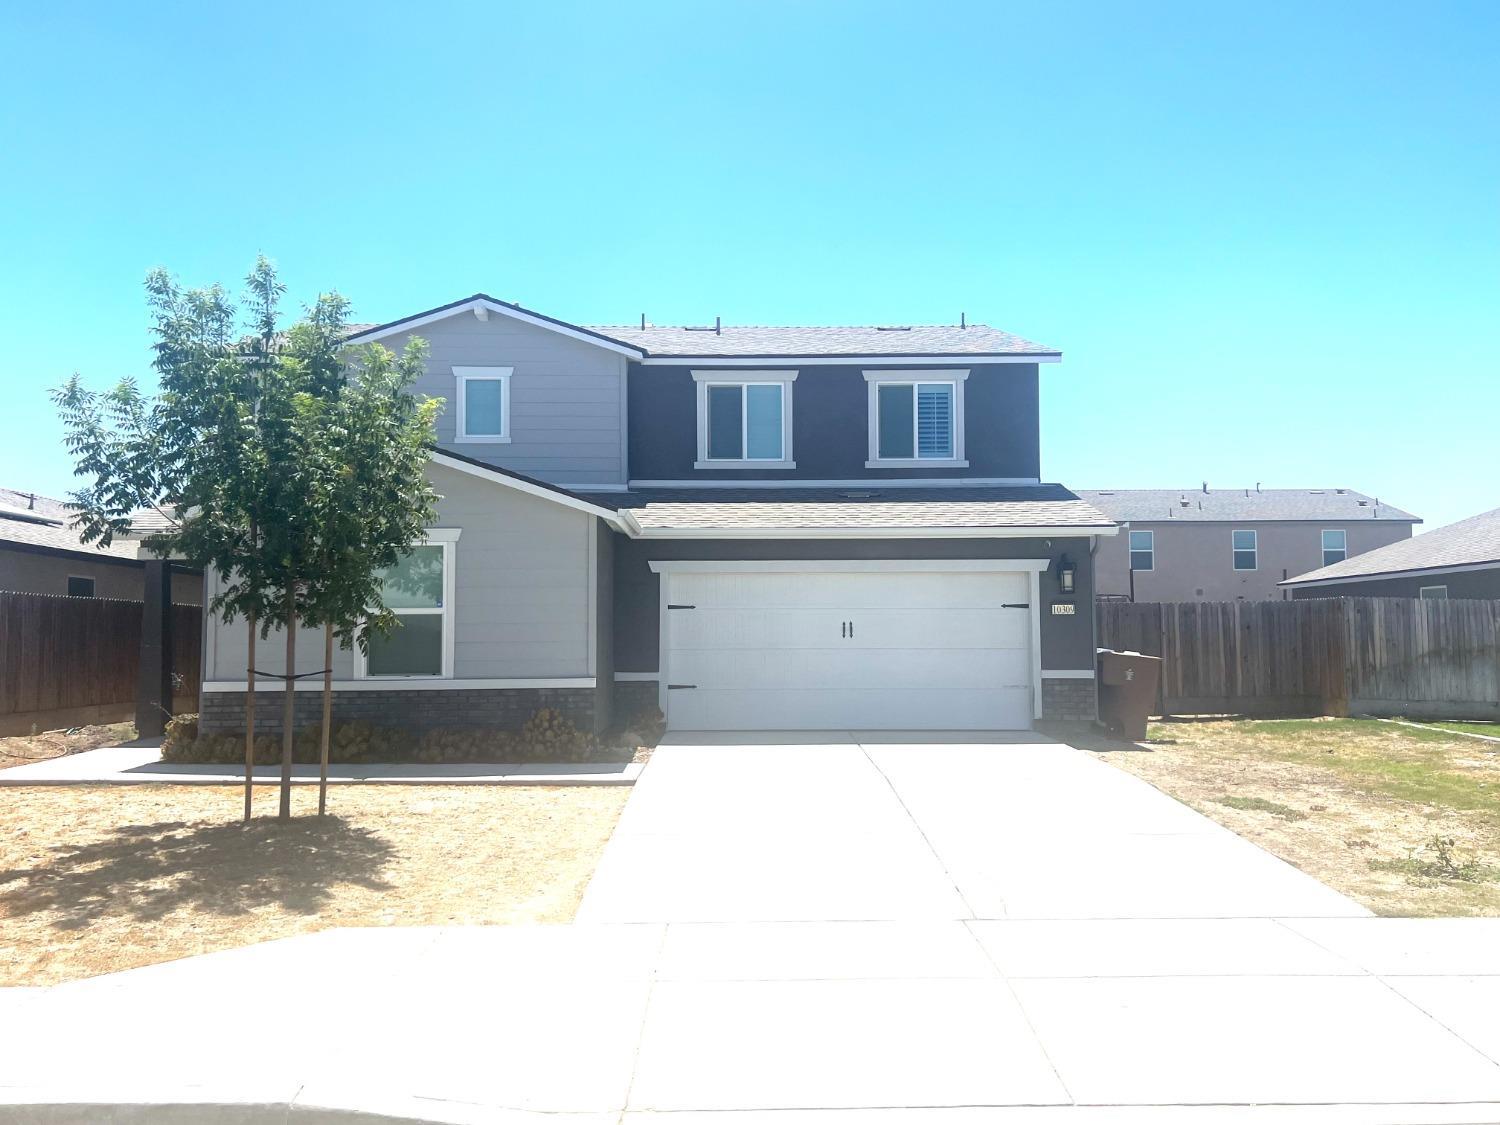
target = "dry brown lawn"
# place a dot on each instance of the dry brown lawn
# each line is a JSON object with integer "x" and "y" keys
{"x": 98, "y": 879}
{"x": 1406, "y": 821}
{"x": 19, "y": 749}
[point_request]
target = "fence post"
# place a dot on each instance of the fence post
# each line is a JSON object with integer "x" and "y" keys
{"x": 153, "y": 691}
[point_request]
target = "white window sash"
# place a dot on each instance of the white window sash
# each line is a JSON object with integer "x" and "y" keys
{"x": 954, "y": 381}
{"x": 466, "y": 375}
{"x": 1149, "y": 549}
{"x": 1253, "y": 550}
{"x": 447, "y": 539}
{"x": 709, "y": 380}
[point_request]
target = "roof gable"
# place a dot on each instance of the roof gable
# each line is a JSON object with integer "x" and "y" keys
{"x": 483, "y": 306}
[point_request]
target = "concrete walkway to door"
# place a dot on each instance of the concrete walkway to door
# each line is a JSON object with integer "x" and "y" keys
{"x": 864, "y": 828}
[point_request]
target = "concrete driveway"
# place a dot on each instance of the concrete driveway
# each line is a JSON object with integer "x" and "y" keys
{"x": 856, "y": 828}
{"x": 825, "y": 932}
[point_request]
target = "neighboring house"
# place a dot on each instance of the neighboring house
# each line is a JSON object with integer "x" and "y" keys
{"x": 1221, "y": 544}
{"x": 40, "y": 553}
{"x": 751, "y": 528}
{"x": 1461, "y": 560}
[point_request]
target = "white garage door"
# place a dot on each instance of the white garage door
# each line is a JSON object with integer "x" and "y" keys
{"x": 857, "y": 651}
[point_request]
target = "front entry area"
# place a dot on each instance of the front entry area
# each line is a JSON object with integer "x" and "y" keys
{"x": 848, "y": 649}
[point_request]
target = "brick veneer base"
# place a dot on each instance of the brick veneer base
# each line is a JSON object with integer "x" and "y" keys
{"x": 632, "y": 697}
{"x": 504, "y": 708}
{"x": 1069, "y": 700}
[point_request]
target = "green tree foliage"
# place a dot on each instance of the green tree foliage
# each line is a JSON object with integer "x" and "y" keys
{"x": 290, "y": 465}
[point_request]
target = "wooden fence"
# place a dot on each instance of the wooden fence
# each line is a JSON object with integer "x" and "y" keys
{"x": 1334, "y": 656}
{"x": 74, "y": 660}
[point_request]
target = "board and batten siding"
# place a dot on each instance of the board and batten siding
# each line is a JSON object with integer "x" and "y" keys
{"x": 524, "y": 599}
{"x": 567, "y": 397}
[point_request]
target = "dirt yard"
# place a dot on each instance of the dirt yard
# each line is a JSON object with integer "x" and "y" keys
{"x": 22, "y": 748}
{"x": 97, "y": 879}
{"x": 1405, "y": 820}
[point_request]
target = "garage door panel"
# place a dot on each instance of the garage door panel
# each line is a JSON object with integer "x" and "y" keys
{"x": 851, "y": 709}
{"x": 773, "y": 650}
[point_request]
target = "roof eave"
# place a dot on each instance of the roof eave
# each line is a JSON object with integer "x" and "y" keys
{"x": 1027, "y": 532}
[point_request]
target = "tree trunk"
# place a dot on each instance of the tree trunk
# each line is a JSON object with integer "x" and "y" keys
{"x": 250, "y": 718}
{"x": 327, "y": 718}
{"x": 288, "y": 710}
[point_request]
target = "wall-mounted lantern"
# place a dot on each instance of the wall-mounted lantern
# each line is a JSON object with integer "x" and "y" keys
{"x": 1065, "y": 573}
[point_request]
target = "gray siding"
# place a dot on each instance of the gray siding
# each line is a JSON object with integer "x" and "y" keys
{"x": 830, "y": 432}
{"x": 567, "y": 398}
{"x": 41, "y": 572}
{"x": 1480, "y": 584}
{"x": 523, "y": 597}
{"x": 1194, "y": 561}
{"x": 1067, "y": 642}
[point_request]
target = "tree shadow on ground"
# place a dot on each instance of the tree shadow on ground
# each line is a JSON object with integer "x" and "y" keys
{"x": 143, "y": 872}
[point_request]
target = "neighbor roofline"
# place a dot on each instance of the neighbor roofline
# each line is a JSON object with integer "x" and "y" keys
{"x": 504, "y": 308}
{"x": 1383, "y": 575}
{"x": 991, "y": 532}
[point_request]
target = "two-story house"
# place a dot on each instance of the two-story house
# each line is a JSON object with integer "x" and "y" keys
{"x": 751, "y": 528}
{"x": 1232, "y": 544}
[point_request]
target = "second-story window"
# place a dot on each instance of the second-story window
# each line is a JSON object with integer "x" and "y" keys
{"x": 916, "y": 418}
{"x": 1143, "y": 550}
{"x": 1244, "y": 550}
{"x": 745, "y": 419}
{"x": 1335, "y": 547}
{"x": 482, "y": 412}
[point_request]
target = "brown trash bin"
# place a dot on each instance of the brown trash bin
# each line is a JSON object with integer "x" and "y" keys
{"x": 1127, "y": 691}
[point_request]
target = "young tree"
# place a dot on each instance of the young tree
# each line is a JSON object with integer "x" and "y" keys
{"x": 251, "y": 449}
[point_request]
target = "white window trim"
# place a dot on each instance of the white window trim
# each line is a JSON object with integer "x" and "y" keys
{"x": 1233, "y": 550}
{"x": 465, "y": 375}
{"x": 1422, "y": 594}
{"x": 955, "y": 377}
{"x": 1323, "y": 546}
{"x": 1131, "y": 550}
{"x": 93, "y": 588}
{"x": 447, "y": 538}
{"x": 709, "y": 378}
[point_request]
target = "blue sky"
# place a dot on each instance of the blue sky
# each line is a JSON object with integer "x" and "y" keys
{"x": 1266, "y": 237}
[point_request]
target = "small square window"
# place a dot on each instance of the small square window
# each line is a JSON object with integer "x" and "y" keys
{"x": 1433, "y": 593}
{"x": 80, "y": 587}
{"x": 1335, "y": 547}
{"x": 1244, "y": 550}
{"x": 483, "y": 409}
{"x": 1143, "y": 550}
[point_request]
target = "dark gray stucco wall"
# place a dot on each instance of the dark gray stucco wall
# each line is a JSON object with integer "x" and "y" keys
{"x": 830, "y": 425}
{"x": 1067, "y": 642}
{"x": 1464, "y": 584}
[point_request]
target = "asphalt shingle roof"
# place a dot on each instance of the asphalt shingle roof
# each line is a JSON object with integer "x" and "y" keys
{"x": 45, "y": 523}
{"x": 1475, "y": 540}
{"x": 1149, "y": 505}
{"x": 765, "y": 340}
{"x": 765, "y": 509}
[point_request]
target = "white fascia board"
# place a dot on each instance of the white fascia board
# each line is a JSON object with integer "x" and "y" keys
{"x": 1067, "y": 673}
{"x": 706, "y": 361}
{"x": 408, "y": 683}
{"x": 636, "y": 677}
{"x": 845, "y": 566}
{"x": 400, "y": 327}
{"x": 1381, "y": 576}
{"x": 872, "y": 532}
{"x": 617, "y": 520}
{"x": 859, "y": 483}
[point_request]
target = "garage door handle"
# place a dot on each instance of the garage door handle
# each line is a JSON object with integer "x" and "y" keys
{"x": 1015, "y": 605}
{"x": 851, "y": 630}
{"x": 680, "y": 687}
{"x": 843, "y": 628}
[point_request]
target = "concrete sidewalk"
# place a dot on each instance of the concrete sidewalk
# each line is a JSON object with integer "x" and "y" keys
{"x": 1210, "y": 1020}
{"x": 138, "y": 765}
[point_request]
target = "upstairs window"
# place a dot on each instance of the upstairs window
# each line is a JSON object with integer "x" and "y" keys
{"x": 1244, "y": 550}
{"x": 1335, "y": 547}
{"x": 916, "y": 418}
{"x": 745, "y": 421}
{"x": 483, "y": 398}
{"x": 1143, "y": 550}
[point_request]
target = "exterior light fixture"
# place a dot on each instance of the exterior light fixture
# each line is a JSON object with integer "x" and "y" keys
{"x": 1065, "y": 572}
